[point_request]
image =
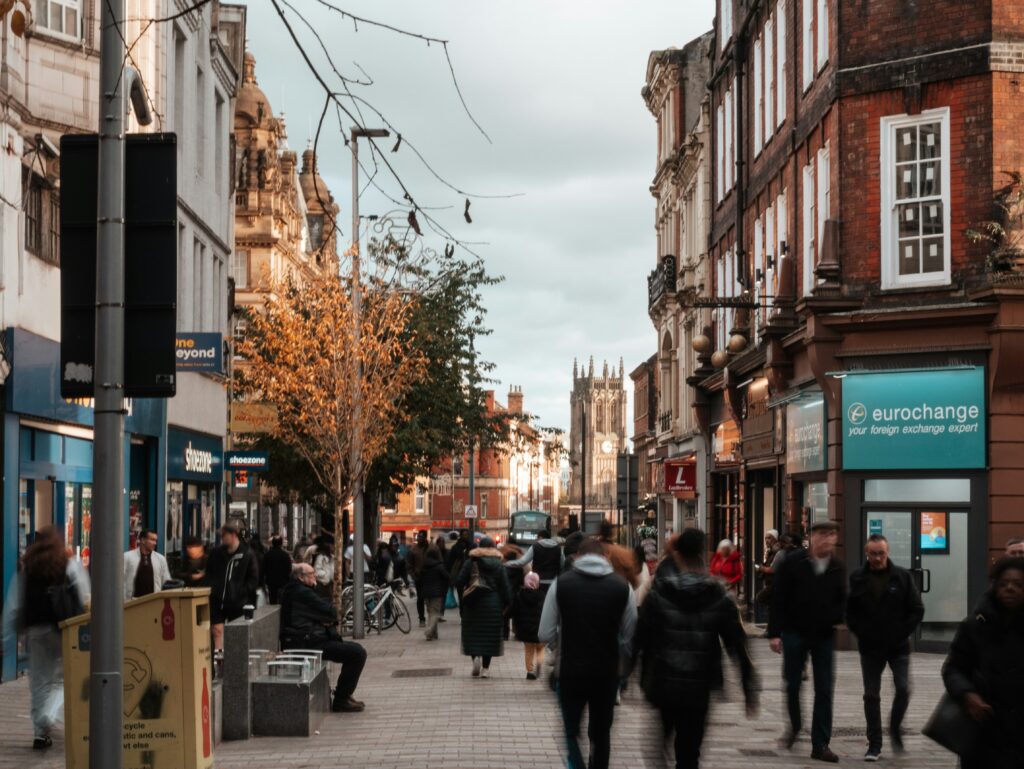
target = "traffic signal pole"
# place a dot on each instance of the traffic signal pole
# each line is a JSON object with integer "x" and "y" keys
{"x": 106, "y": 714}
{"x": 106, "y": 725}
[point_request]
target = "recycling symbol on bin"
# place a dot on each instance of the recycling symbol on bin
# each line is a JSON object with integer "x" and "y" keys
{"x": 137, "y": 672}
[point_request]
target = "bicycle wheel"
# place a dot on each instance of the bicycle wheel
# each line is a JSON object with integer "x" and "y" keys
{"x": 400, "y": 615}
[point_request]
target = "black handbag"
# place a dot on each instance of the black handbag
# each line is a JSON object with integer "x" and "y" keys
{"x": 953, "y": 728}
{"x": 64, "y": 600}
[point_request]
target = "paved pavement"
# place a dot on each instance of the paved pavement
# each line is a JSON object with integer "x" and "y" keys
{"x": 452, "y": 721}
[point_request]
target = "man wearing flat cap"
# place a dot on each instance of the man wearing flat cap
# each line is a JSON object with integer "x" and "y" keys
{"x": 808, "y": 600}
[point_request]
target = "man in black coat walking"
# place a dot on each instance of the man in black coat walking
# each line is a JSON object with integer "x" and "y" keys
{"x": 307, "y": 622}
{"x": 591, "y": 613}
{"x": 684, "y": 621}
{"x": 883, "y": 610}
{"x": 277, "y": 568}
{"x": 809, "y": 596}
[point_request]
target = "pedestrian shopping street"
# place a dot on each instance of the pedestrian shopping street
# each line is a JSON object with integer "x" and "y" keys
{"x": 424, "y": 711}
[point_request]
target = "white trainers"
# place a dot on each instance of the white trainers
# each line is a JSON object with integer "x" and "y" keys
{"x": 477, "y": 662}
{"x": 485, "y": 673}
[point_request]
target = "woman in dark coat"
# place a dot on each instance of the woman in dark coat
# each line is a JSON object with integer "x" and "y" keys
{"x": 985, "y": 669}
{"x": 483, "y": 608}
{"x": 526, "y": 610}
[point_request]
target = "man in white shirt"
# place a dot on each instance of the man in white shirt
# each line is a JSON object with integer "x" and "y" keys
{"x": 145, "y": 570}
{"x": 348, "y": 557}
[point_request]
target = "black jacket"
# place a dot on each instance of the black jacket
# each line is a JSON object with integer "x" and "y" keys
{"x": 306, "y": 618}
{"x": 804, "y": 602}
{"x": 484, "y": 619}
{"x": 987, "y": 658}
{"x": 886, "y": 624}
{"x": 433, "y": 582}
{"x": 234, "y": 579}
{"x": 683, "y": 623}
{"x": 277, "y": 568}
{"x": 381, "y": 563}
{"x": 526, "y": 611}
{"x": 591, "y": 606}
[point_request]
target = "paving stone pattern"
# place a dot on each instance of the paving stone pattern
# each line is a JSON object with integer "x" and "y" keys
{"x": 452, "y": 721}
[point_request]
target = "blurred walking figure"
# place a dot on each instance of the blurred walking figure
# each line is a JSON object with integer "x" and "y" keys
{"x": 808, "y": 600}
{"x": 985, "y": 673}
{"x": 277, "y": 569}
{"x": 50, "y": 588}
{"x": 526, "y": 610}
{"x": 727, "y": 565}
{"x": 684, "y": 621}
{"x": 415, "y": 559}
{"x": 590, "y": 614}
{"x": 433, "y": 588}
{"x": 486, "y": 595}
{"x": 883, "y": 610}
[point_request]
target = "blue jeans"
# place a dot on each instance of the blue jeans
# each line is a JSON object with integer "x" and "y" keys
{"x": 795, "y": 650}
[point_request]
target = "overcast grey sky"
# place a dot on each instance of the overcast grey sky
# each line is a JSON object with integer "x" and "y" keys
{"x": 556, "y": 85}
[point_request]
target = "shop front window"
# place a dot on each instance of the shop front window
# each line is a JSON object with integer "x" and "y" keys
{"x": 25, "y": 494}
{"x": 207, "y": 502}
{"x": 173, "y": 532}
{"x": 86, "y": 516}
{"x": 815, "y": 503}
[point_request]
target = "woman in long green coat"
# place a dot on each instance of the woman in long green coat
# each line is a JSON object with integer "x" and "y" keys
{"x": 483, "y": 608}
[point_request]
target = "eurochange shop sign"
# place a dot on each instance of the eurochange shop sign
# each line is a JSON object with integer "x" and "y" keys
{"x": 914, "y": 420}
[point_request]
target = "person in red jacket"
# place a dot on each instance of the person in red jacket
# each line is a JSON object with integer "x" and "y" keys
{"x": 727, "y": 565}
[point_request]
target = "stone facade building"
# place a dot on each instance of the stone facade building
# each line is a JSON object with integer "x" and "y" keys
{"x": 676, "y": 95}
{"x": 49, "y": 85}
{"x": 598, "y": 423}
{"x": 285, "y": 228}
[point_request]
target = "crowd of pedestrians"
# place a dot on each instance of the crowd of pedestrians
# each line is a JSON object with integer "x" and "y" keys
{"x": 591, "y": 612}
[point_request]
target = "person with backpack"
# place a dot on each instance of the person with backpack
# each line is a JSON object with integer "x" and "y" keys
{"x": 485, "y": 594}
{"x": 50, "y": 588}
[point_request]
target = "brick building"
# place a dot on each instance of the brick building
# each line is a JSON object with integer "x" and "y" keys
{"x": 522, "y": 473}
{"x": 857, "y": 361}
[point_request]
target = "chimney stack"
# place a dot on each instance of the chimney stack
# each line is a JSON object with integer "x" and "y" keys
{"x": 515, "y": 399}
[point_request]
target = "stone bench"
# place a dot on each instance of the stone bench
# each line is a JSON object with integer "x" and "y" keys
{"x": 241, "y": 638}
{"x": 292, "y": 697}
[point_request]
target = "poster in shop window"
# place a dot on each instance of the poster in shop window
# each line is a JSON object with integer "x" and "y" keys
{"x": 934, "y": 533}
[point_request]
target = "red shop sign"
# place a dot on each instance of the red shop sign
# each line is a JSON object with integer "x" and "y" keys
{"x": 681, "y": 477}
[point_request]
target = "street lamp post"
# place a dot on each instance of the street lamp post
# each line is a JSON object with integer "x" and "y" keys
{"x": 355, "y": 451}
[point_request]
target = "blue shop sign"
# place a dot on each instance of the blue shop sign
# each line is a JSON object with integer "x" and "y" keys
{"x": 913, "y": 420}
{"x": 253, "y": 461}
{"x": 196, "y": 351}
{"x": 33, "y": 388}
{"x": 194, "y": 456}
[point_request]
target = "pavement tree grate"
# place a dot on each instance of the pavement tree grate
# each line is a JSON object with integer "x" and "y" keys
{"x": 421, "y": 673}
{"x": 758, "y": 753}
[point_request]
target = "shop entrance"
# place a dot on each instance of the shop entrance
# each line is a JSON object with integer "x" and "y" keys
{"x": 761, "y": 517}
{"x": 932, "y": 543}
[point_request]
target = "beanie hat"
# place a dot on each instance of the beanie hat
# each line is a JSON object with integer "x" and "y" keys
{"x": 485, "y": 542}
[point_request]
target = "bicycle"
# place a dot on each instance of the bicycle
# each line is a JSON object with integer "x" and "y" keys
{"x": 383, "y": 609}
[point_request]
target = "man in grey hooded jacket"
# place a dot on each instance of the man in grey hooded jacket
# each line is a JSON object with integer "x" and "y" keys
{"x": 590, "y": 615}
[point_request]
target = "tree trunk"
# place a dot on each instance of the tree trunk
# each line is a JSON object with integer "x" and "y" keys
{"x": 338, "y": 582}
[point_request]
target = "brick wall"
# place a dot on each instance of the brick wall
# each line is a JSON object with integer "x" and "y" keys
{"x": 971, "y": 148}
{"x": 880, "y": 30}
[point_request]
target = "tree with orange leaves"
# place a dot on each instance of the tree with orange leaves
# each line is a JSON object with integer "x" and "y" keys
{"x": 299, "y": 356}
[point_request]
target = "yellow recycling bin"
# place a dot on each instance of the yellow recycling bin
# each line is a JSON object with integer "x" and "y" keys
{"x": 167, "y": 683}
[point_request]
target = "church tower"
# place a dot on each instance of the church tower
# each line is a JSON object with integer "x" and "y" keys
{"x": 598, "y": 421}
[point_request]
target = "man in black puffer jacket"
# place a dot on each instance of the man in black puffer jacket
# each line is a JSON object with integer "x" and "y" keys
{"x": 683, "y": 623}
{"x": 307, "y": 622}
{"x": 883, "y": 610}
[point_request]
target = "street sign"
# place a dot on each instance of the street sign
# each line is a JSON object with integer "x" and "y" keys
{"x": 470, "y": 512}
